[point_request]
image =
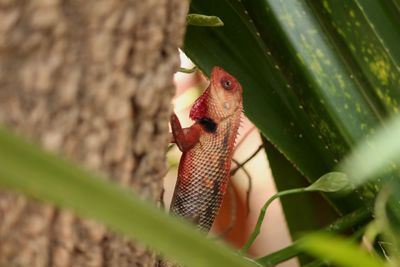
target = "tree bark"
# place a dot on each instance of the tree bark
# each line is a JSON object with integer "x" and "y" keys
{"x": 92, "y": 80}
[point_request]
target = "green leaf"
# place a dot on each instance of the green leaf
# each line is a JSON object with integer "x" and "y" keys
{"x": 26, "y": 168}
{"x": 373, "y": 155}
{"x": 331, "y": 182}
{"x": 354, "y": 24}
{"x": 244, "y": 55}
{"x": 338, "y": 251}
{"x": 203, "y": 20}
{"x": 317, "y": 75}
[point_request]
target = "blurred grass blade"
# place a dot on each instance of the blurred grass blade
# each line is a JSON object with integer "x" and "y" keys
{"x": 338, "y": 251}
{"x": 26, "y": 168}
{"x": 375, "y": 153}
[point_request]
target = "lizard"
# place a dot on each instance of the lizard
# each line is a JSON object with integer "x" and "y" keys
{"x": 207, "y": 149}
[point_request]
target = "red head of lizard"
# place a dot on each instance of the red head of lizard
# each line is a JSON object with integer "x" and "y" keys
{"x": 220, "y": 100}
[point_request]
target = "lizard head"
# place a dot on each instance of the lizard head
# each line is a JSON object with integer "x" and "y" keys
{"x": 220, "y": 100}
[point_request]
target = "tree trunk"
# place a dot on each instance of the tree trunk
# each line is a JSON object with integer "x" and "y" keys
{"x": 91, "y": 80}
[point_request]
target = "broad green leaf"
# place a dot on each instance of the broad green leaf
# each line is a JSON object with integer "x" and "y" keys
{"x": 338, "y": 251}
{"x": 372, "y": 61}
{"x": 246, "y": 56}
{"x": 383, "y": 17}
{"x": 26, "y": 168}
{"x": 317, "y": 75}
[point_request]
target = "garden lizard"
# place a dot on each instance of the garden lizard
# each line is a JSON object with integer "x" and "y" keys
{"x": 207, "y": 146}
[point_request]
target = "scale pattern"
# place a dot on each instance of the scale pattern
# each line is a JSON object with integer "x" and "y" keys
{"x": 204, "y": 175}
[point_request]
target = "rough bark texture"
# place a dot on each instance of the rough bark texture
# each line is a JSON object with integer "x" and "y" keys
{"x": 91, "y": 80}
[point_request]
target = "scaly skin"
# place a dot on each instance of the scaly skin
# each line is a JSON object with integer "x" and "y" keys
{"x": 207, "y": 148}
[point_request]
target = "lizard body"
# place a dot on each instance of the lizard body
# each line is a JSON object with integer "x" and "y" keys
{"x": 207, "y": 148}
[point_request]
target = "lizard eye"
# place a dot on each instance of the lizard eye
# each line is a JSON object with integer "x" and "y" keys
{"x": 226, "y": 83}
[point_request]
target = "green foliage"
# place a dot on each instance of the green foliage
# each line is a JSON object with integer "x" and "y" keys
{"x": 26, "y": 168}
{"x": 387, "y": 222}
{"x": 318, "y": 77}
{"x": 341, "y": 225}
{"x": 378, "y": 153}
{"x": 338, "y": 251}
{"x": 315, "y": 211}
{"x": 331, "y": 182}
{"x": 313, "y": 89}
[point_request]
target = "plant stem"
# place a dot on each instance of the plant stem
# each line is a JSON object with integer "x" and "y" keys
{"x": 186, "y": 70}
{"x": 342, "y": 224}
{"x": 257, "y": 228}
{"x": 240, "y": 165}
